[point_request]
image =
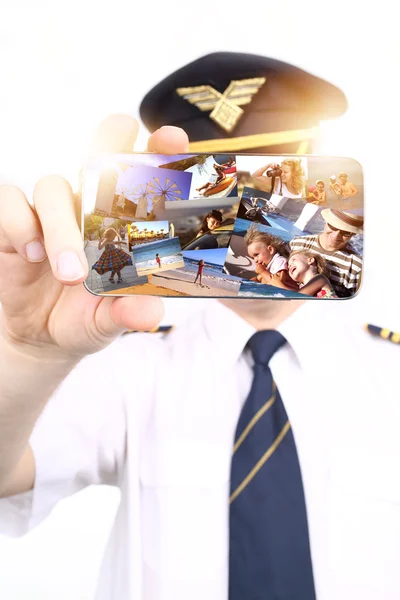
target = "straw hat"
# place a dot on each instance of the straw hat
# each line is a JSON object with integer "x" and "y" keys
{"x": 343, "y": 220}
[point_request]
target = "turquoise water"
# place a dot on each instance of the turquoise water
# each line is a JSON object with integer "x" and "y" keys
{"x": 169, "y": 251}
{"x": 252, "y": 289}
{"x": 242, "y": 225}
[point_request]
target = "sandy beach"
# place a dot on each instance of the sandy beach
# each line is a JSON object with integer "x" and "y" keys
{"x": 188, "y": 288}
{"x": 163, "y": 286}
{"x": 154, "y": 269}
{"x": 148, "y": 289}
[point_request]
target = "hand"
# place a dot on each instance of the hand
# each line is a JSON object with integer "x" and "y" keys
{"x": 263, "y": 275}
{"x": 261, "y": 269}
{"x": 260, "y": 173}
{"x": 45, "y": 306}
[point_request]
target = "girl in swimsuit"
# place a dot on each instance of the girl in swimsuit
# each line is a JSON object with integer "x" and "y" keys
{"x": 200, "y": 268}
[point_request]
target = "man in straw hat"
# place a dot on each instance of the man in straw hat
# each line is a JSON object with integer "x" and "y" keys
{"x": 344, "y": 265}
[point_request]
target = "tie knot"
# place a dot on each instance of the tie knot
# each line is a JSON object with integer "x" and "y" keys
{"x": 264, "y": 344}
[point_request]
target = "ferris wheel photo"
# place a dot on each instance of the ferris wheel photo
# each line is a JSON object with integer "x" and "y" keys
{"x": 164, "y": 188}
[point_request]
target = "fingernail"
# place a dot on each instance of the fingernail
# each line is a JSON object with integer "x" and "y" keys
{"x": 69, "y": 267}
{"x": 35, "y": 251}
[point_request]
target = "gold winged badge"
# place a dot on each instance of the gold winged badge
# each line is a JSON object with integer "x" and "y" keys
{"x": 225, "y": 107}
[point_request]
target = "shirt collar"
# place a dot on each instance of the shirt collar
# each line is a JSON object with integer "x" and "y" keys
{"x": 314, "y": 332}
{"x": 304, "y": 331}
{"x": 227, "y": 331}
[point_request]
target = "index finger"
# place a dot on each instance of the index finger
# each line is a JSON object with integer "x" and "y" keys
{"x": 168, "y": 140}
{"x": 54, "y": 202}
{"x": 116, "y": 134}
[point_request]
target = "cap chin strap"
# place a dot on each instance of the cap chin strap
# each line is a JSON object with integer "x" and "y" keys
{"x": 258, "y": 140}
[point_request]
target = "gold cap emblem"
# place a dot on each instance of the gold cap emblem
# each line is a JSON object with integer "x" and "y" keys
{"x": 225, "y": 107}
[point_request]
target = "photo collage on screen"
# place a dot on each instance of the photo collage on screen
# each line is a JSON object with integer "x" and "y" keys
{"x": 224, "y": 225}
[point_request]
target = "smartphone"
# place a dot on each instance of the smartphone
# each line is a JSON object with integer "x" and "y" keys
{"x": 224, "y": 225}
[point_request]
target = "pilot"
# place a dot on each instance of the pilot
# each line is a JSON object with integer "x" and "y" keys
{"x": 256, "y": 446}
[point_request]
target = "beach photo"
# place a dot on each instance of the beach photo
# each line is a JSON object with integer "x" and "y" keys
{"x": 154, "y": 257}
{"x": 106, "y": 246}
{"x": 214, "y": 259}
{"x": 143, "y": 232}
{"x": 281, "y": 175}
{"x": 335, "y": 182}
{"x": 201, "y": 276}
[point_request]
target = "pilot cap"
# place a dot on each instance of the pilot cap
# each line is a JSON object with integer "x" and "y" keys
{"x": 228, "y": 101}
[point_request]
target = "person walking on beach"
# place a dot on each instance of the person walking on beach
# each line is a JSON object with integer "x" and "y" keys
{"x": 200, "y": 268}
{"x": 158, "y": 260}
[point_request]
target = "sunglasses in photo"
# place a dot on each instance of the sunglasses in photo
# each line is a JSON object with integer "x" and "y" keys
{"x": 342, "y": 233}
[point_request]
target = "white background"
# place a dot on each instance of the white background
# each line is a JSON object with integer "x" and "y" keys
{"x": 65, "y": 66}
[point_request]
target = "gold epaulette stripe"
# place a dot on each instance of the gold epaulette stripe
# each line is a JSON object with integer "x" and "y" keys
{"x": 160, "y": 329}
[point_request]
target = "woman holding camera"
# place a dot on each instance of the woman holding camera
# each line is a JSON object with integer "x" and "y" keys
{"x": 286, "y": 179}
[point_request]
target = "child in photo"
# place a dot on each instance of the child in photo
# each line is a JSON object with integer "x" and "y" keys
{"x": 199, "y": 271}
{"x": 158, "y": 260}
{"x": 319, "y": 193}
{"x": 112, "y": 259}
{"x": 269, "y": 253}
{"x": 211, "y": 221}
{"x": 334, "y": 186}
{"x": 308, "y": 270}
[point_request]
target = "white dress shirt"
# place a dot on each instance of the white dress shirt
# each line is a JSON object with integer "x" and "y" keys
{"x": 157, "y": 416}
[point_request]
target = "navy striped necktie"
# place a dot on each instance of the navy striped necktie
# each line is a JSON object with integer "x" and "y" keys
{"x": 269, "y": 552}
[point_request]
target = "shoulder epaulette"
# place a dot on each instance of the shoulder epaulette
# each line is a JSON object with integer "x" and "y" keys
{"x": 163, "y": 329}
{"x": 383, "y": 333}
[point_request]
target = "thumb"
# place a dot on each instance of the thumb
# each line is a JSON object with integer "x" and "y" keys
{"x": 116, "y": 315}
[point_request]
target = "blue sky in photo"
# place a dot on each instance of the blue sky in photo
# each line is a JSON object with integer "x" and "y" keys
{"x": 215, "y": 256}
{"x": 155, "y": 226}
{"x": 134, "y": 180}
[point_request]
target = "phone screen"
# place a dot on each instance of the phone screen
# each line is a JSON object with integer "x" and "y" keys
{"x": 224, "y": 225}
